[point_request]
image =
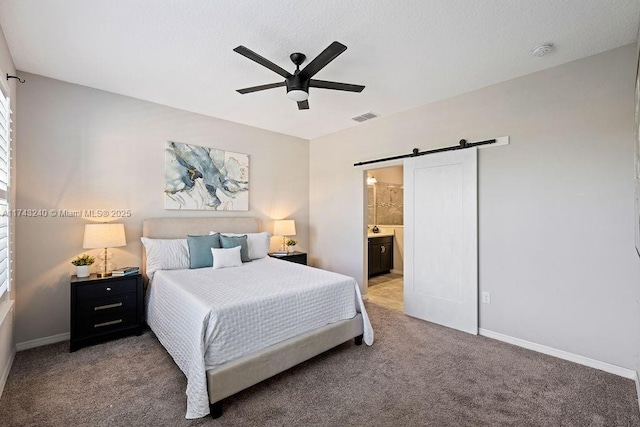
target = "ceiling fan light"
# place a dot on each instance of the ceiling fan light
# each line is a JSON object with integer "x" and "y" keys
{"x": 298, "y": 95}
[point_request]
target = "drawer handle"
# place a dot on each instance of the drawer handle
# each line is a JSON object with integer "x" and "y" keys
{"x": 108, "y": 289}
{"x": 104, "y": 307}
{"x": 382, "y": 249}
{"x": 113, "y": 322}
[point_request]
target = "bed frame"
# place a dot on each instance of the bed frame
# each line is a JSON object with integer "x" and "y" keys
{"x": 232, "y": 377}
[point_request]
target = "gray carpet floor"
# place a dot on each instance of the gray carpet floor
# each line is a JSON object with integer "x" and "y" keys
{"x": 416, "y": 374}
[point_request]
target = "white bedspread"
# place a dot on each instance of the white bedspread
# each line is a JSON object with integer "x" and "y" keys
{"x": 206, "y": 317}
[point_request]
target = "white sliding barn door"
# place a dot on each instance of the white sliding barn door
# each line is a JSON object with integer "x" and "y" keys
{"x": 441, "y": 238}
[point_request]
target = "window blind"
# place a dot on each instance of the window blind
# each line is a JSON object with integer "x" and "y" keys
{"x": 5, "y": 144}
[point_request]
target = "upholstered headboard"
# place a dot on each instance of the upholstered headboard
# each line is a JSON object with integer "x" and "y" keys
{"x": 178, "y": 228}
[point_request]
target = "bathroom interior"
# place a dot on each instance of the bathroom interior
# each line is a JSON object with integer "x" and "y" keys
{"x": 385, "y": 236}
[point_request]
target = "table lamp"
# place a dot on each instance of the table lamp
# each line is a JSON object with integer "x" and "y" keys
{"x": 284, "y": 228}
{"x": 107, "y": 235}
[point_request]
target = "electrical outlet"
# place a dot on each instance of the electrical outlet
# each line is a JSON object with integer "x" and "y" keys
{"x": 486, "y": 297}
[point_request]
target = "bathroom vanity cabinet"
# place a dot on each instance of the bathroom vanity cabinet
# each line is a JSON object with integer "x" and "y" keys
{"x": 380, "y": 255}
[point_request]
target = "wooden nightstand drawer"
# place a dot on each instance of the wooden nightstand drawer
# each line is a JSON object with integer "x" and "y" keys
{"x": 108, "y": 288}
{"x": 102, "y": 306}
{"x": 107, "y": 323}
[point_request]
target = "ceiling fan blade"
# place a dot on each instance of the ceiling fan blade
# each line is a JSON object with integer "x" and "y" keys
{"x": 320, "y": 61}
{"x": 261, "y": 87}
{"x": 335, "y": 85}
{"x": 262, "y": 61}
{"x": 303, "y": 105}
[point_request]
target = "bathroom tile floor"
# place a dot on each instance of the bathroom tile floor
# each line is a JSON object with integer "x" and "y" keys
{"x": 386, "y": 290}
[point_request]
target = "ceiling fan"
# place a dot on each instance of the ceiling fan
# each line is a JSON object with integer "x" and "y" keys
{"x": 300, "y": 81}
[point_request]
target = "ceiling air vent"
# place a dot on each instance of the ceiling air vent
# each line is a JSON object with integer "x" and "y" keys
{"x": 366, "y": 116}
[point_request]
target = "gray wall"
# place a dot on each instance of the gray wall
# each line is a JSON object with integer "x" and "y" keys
{"x": 556, "y": 230}
{"x": 83, "y": 148}
{"x": 393, "y": 175}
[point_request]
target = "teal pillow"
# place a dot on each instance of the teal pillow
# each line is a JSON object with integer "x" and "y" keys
{"x": 233, "y": 241}
{"x": 200, "y": 250}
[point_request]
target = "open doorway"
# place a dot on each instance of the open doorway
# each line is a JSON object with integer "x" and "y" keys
{"x": 385, "y": 236}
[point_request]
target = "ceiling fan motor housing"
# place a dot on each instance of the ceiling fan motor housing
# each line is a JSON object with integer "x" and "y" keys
{"x": 297, "y": 82}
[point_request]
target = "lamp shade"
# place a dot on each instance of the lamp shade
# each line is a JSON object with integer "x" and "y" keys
{"x": 103, "y": 236}
{"x": 284, "y": 227}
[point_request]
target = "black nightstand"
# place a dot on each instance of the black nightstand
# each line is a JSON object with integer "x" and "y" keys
{"x": 103, "y": 308}
{"x": 297, "y": 257}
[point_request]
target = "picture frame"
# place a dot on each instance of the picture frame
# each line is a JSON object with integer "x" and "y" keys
{"x": 204, "y": 178}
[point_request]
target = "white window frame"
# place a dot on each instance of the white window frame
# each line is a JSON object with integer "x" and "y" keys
{"x": 5, "y": 189}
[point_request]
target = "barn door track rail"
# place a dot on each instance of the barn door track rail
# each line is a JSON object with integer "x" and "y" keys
{"x": 416, "y": 152}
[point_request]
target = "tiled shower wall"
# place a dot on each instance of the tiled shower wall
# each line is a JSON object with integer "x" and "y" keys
{"x": 388, "y": 206}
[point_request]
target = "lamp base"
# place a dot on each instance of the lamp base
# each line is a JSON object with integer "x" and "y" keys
{"x": 105, "y": 266}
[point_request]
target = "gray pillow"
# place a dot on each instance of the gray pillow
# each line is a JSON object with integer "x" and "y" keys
{"x": 200, "y": 250}
{"x": 233, "y": 241}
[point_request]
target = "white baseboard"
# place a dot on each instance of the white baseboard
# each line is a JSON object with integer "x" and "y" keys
{"x": 7, "y": 369}
{"x": 561, "y": 354}
{"x": 39, "y": 342}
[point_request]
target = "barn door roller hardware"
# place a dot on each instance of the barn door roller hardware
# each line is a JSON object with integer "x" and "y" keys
{"x": 463, "y": 144}
{"x": 15, "y": 77}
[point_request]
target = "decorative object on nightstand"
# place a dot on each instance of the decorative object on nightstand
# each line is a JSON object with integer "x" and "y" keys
{"x": 284, "y": 228}
{"x": 290, "y": 245}
{"x": 83, "y": 265}
{"x": 107, "y": 235}
{"x": 297, "y": 257}
{"x": 105, "y": 308}
{"x": 125, "y": 271}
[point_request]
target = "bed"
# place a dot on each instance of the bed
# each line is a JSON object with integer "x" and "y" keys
{"x": 231, "y": 328}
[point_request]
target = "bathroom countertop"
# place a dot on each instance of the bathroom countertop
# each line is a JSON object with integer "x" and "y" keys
{"x": 381, "y": 234}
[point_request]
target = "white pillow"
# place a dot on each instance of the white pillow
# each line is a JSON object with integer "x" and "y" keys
{"x": 223, "y": 258}
{"x": 257, "y": 243}
{"x": 165, "y": 254}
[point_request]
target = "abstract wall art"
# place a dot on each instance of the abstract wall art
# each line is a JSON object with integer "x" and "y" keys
{"x": 202, "y": 178}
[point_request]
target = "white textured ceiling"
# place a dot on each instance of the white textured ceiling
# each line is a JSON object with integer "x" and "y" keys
{"x": 407, "y": 53}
